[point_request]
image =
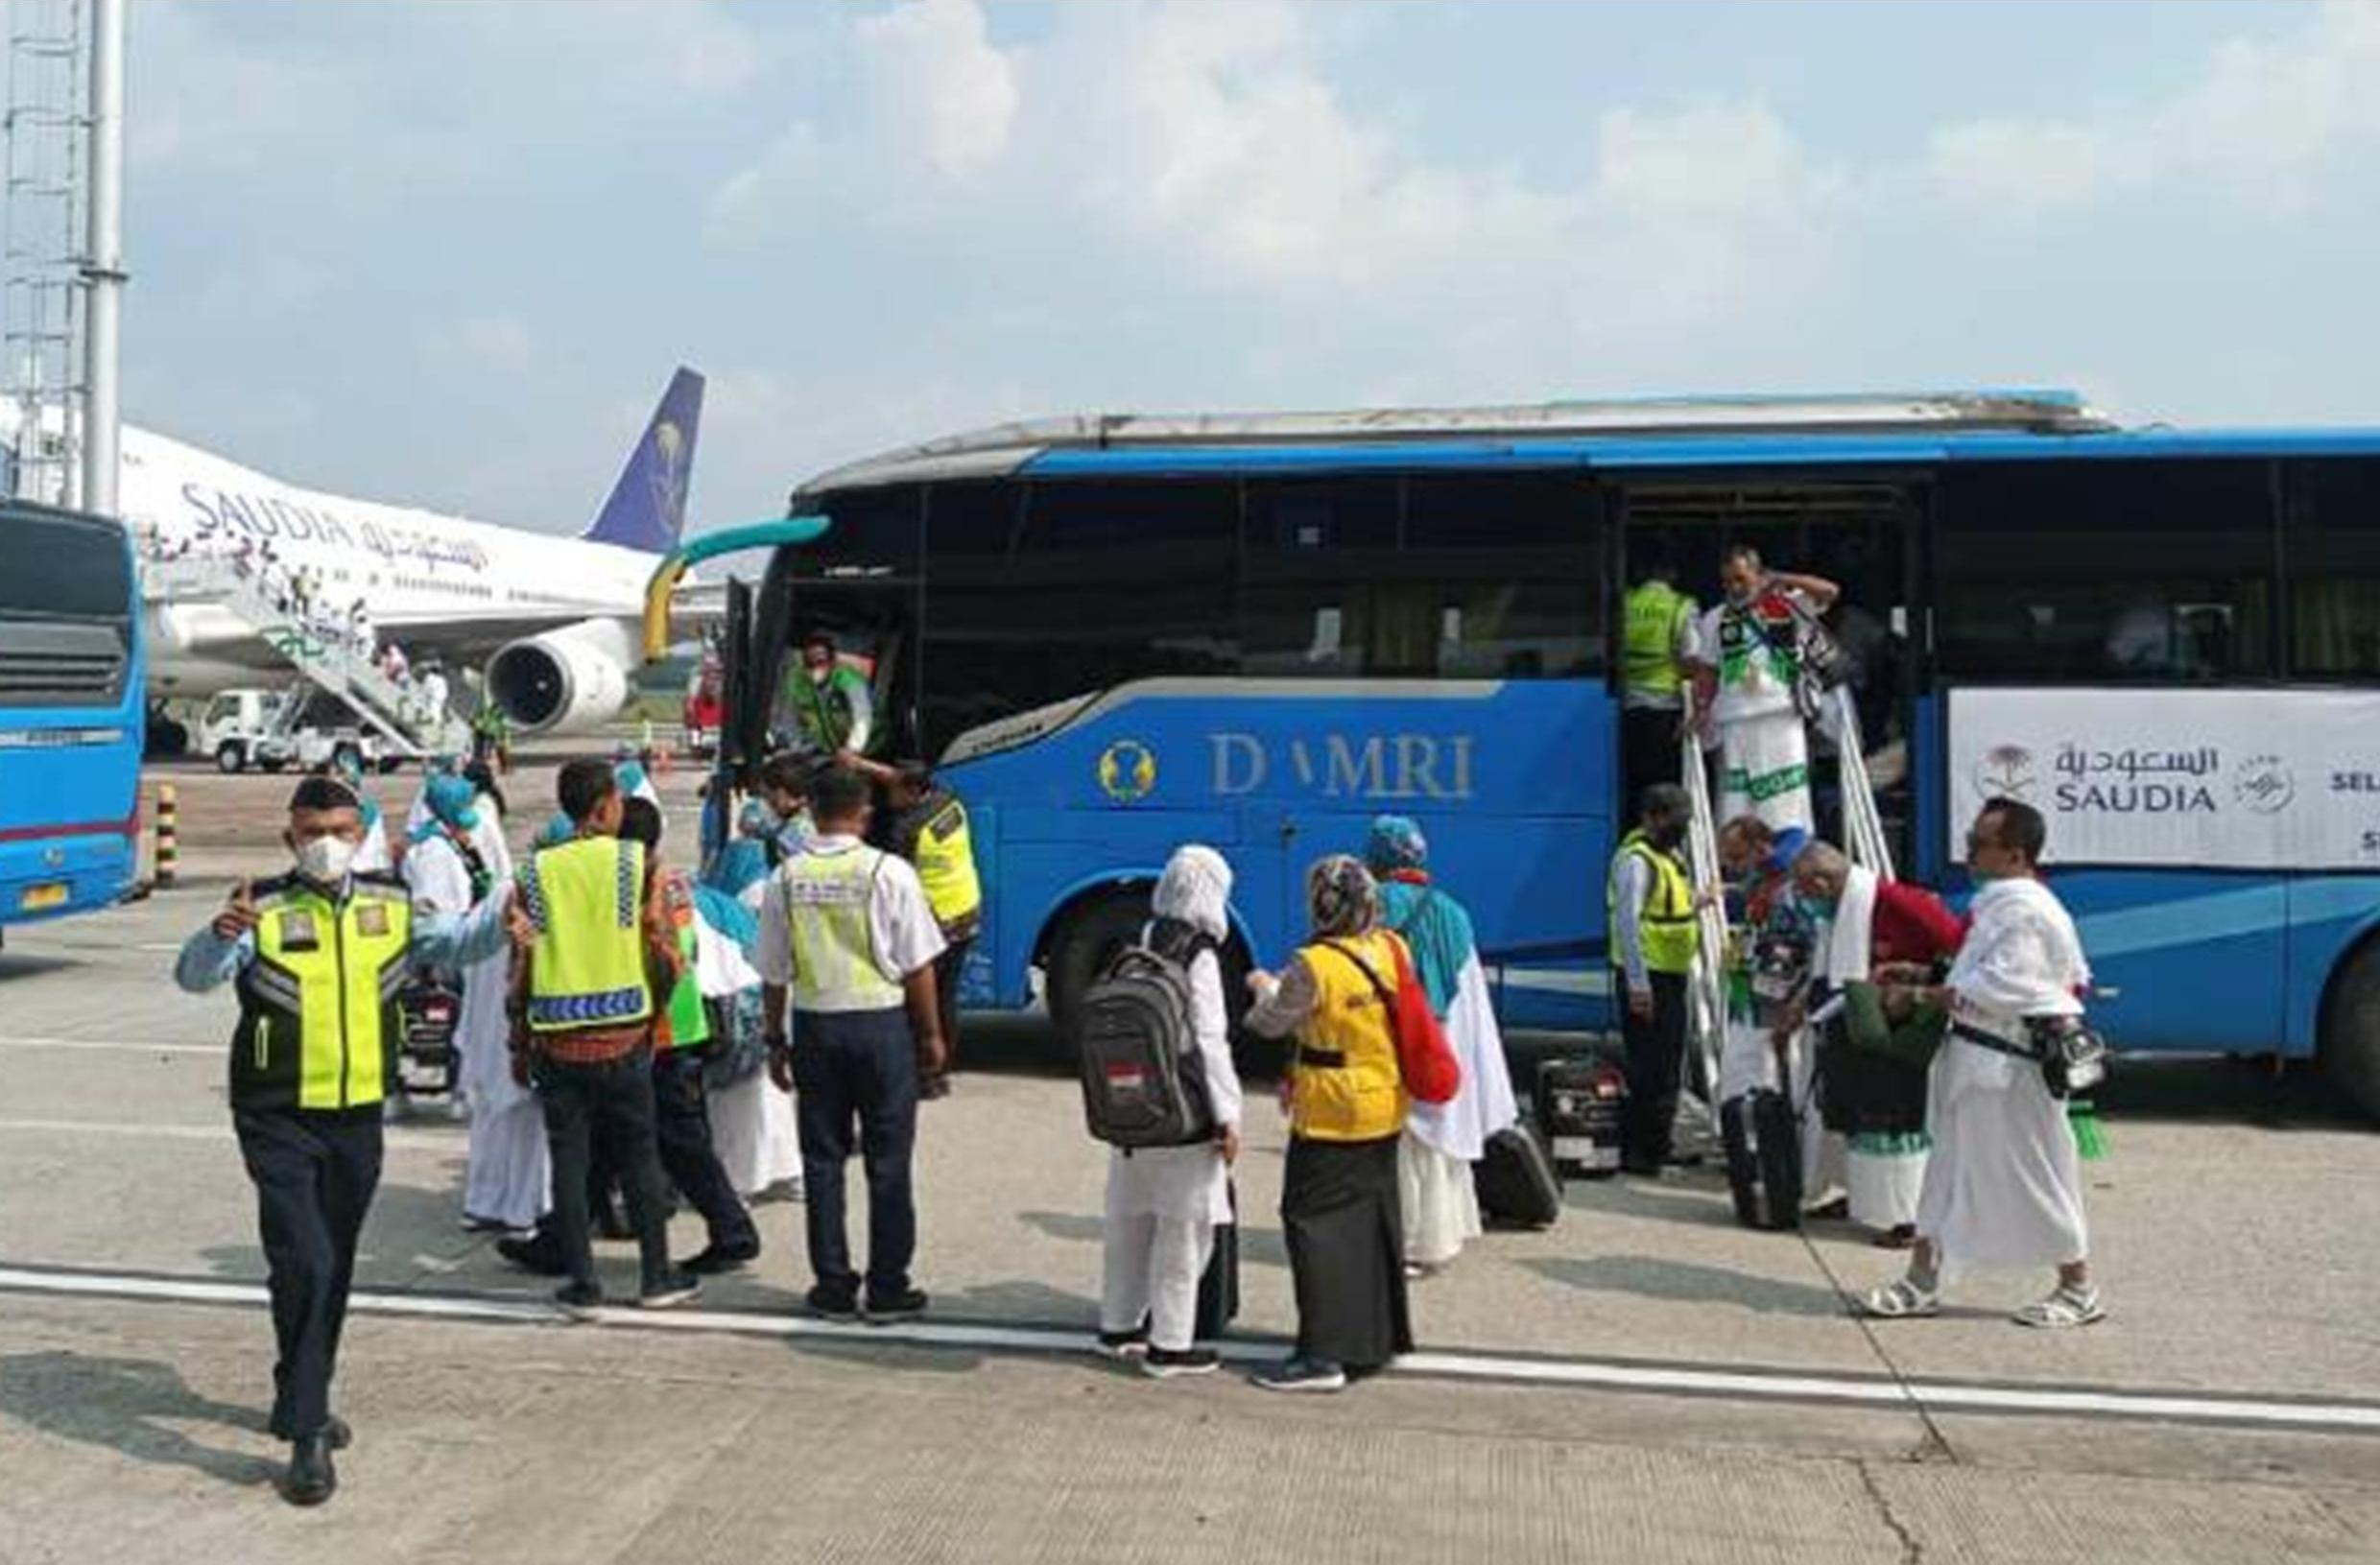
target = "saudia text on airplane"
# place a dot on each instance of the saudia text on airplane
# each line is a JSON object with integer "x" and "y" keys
{"x": 216, "y": 514}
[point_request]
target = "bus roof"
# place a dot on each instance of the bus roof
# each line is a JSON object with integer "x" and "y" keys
{"x": 1741, "y": 432}
{"x": 1003, "y": 448}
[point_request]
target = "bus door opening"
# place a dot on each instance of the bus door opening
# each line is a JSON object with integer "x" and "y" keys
{"x": 871, "y": 625}
{"x": 1854, "y": 531}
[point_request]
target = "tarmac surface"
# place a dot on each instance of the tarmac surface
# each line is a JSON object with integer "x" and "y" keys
{"x": 1646, "y": 1381}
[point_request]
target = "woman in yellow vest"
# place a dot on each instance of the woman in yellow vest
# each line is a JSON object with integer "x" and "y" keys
{"x": 1347, "y": 1111}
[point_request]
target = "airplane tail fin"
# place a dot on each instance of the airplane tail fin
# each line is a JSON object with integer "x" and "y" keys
{"x": 647, "y": 507}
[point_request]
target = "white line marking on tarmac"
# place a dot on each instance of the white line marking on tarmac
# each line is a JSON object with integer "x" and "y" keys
{"x": 124, "y": 1046}
{"x": 1934, "y": 1396}
{"x": 396, "y": 1136}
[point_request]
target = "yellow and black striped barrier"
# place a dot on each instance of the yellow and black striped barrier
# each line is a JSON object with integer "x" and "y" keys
{"x": 168, "y": 850}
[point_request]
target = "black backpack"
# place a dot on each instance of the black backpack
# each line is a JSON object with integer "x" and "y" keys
{"x": 1144, "y": 1081}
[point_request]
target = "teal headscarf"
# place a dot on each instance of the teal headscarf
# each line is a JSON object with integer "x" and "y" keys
{"x": 1435, "y": 925}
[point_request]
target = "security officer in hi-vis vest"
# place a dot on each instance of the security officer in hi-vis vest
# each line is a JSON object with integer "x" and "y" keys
{"x": 846, "y": 936}
{"x": 317, "y": 957}
{"x": 600, "y": 952}
{"x": 929, "y": 828}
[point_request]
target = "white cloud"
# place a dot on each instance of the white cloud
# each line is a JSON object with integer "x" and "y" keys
{"x": 937, "y": 81}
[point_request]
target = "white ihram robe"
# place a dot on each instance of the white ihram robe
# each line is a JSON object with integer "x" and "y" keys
{"x": 2004, "y": 1187}
{"x": 507, "y": 1177}
{"x": 753, "y": 1124}
{"x": 1442, "y": 1141}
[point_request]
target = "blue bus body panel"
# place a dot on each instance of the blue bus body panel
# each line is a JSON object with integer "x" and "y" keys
{"x": 1278, "y": 779}
{"x": 69, "y": 794}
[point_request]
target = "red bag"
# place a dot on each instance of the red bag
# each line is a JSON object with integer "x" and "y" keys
{"x": 1424, "y": 1059}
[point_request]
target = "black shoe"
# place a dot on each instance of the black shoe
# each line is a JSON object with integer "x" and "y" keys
{"x": 311, "y": 1478}
{"x": 580, "y": 1300}
{"x": 539, "y": 1255}
{"x": 832, "y": 1304}
{"x": 884, "y": 1309}
{"x": 1124, "y": 1344}
{"x": 1164, "y": 1363}
{"x": 336, "y": 1433}
{"x": 678, "y": 1286}
{"x": 713, "y": 1259}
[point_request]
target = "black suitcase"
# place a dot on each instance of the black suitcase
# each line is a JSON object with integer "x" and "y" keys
{"x": 1219, "y": 1286}
{"x": 1516, "y": 1182}
{"x": 1579, "y": 1103}
{"x": 1763, "y": 1141}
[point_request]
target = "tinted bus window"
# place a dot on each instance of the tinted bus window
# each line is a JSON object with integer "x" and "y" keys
{"x": 875, "y": 532}
{"x": 1512, "y": 562}
{"x": 1317, "y": 551}
{"x": 2105, "y": 571}
{"x": 62, "y": 569}
{"x": 2333, "y": 541}
{"x": 1036, "y": 594}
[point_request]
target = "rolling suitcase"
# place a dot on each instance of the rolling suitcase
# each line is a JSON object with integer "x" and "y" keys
{"x": 1763, "y": 1142}
{"x": 1516, "y": 1181}
{"x": 1577, "y": 1101}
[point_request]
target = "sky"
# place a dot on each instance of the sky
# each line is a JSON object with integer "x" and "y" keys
{"x": 447, "y": 253}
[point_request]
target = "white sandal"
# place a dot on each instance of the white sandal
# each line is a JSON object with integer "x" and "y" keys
{"x": 1903, "y": 1300}
{"x": 2063, "y": 1309}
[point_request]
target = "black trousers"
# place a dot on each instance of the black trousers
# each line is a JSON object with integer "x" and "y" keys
{"x": 1656, "y": 1052}
{"x": 612, "y": 1102}
{"x": 946, "y": 970}
{"x": 315, "y": 1172}
{"x": 1649, "y": 751}
{"x": 855, "y": 1082}
{"x": 682, "y": 1136}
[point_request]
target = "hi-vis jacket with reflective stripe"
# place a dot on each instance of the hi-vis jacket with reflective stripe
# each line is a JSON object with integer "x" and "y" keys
{"x": 587, "y": 899}
{"x": 319, "y": 1026}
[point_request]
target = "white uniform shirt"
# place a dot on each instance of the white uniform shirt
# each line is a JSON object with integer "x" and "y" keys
{"x": 901, "y": 925}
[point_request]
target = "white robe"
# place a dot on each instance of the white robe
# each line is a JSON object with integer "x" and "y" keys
{"x": 2004, "y": 1187}
{"x": 1164, "y": 1202}
{"x": 1442, "y": 1141}
{"x": 507, "y": 1172}
{"x": 753, "y": 1128}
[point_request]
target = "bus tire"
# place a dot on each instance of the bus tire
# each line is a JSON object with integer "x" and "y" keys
{"x": 2351, "y": 1028}
{"x": 231, "y": 758}
{"x": 1083, "y": 946}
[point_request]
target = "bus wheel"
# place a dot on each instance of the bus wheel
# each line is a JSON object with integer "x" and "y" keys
{"x": 2351, "y": 1030}
{"x": 229, "y": 757}
{"x": 1085, "y": 943}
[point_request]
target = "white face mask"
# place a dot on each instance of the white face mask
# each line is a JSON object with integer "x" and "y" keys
{"x": 324, "y": 860}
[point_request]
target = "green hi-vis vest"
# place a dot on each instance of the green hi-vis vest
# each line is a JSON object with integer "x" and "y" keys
{"x": 586, "y": 898}
{"x": 1653, "y": 615}
{"x": 319, "y": 1026}
{"x": 945, "y": 861}
{"x": 827, "y": 896}
{"x": 1667, "y": 932}
{"x": 684, "y": 1022}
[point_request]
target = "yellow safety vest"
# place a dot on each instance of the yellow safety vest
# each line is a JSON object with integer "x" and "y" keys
{"x": 1348, "y": 1085}
{"x": 317, "y": 1006}
{"x": 1653, "y": 616}
{"x": 945, "y": 861}
{"x": 684, "y": 1022}
{"x": 828, "y": 893}
{"x": 1668, "y": 932}
{"x": 586, "y": 898}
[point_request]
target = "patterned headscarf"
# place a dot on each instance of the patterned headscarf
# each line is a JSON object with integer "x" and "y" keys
{"x": 1396, "y": 844}
{"x": 1195, "y": 888}
{"x": 1341, "y": 898}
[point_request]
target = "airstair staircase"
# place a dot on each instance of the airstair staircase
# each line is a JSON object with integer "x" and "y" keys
{"x": 403, "y": 715}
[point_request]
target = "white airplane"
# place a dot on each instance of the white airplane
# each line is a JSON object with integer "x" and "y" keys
{"x": 555, "y": 618}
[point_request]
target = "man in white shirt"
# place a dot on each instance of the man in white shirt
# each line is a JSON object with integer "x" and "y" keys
{"x": 847, "y": 934}
{"x": 2004, "y": 1187}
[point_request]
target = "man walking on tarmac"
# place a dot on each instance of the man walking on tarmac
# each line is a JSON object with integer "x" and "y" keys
{"x": 602, "y": 950}
{"x": 846, "y": 933}
{"x": 317, "y": 957}
{"x": 1659, "y": 628}
{"x": 1651, "y": 917}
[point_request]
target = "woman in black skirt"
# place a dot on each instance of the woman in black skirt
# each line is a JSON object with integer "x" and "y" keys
{"x": 1346, "y": 1108}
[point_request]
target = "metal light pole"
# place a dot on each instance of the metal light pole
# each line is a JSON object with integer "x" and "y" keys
{"x": 102, "y": 267}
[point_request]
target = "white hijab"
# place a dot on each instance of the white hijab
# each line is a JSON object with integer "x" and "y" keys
{"x": 1195, "y": 888}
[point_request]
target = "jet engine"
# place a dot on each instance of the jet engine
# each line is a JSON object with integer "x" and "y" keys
{"x": 567, "y": 681}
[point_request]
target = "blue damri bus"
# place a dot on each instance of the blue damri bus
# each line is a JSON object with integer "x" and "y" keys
{"x": 1117, "y": 634}
{"x": 72, "y": 686}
